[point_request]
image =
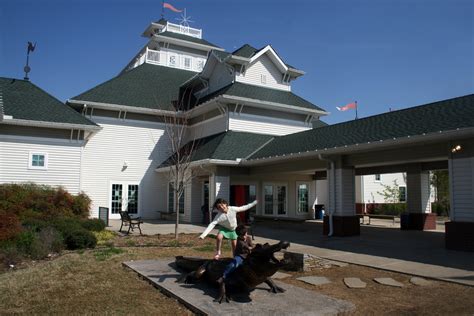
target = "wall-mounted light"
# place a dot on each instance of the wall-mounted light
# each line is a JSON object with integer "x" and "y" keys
{"x": 124, "y": 166}
{"x": 456, "y": 149}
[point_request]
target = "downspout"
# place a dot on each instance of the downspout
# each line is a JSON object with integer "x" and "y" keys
{"x": 332, "y": 195}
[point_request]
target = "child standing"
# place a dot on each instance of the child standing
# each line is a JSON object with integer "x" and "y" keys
{"x": 227, "y": 220}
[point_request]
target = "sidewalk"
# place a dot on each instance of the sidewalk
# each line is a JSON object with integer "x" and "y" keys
{"x": 388, "y": 248}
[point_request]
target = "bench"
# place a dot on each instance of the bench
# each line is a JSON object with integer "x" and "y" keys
{"x": 132, "y": 222}
{"x": 381, "y": 216}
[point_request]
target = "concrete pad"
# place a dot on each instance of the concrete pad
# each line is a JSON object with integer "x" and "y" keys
{"x": 388, "y": 281}
{"x": 355, "y": 283}
{"x": 200, "y": 297}
{"x": 419, "y": 281}
{"x": 280, "y": 275}
{"x": 313, "y": 280}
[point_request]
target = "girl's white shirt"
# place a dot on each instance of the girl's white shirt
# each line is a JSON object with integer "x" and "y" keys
{"x": 227, "y": 220}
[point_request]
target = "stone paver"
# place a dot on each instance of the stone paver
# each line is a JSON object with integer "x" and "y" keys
{"x": 280, "y": 275}
{"x": 388, "y": 282}
{"x": 314, "y": 280}
{"x": 200, "y": 297}
{"x": 419, "y": 281}
{"x": 355, "y": 283}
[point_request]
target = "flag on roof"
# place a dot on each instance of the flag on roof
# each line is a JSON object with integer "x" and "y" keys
{"x": 169, "y": 6}
{"x": 352, "y": 105}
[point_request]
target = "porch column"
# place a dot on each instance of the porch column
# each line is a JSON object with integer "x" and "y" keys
{"x": 419, "y": 216}
{"x": 460, "y": 229}
{"x": 219, "y": 185}
{"x": 341, "y": 200}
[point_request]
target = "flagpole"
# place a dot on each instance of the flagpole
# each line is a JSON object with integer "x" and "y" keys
{"x": 356, "y": 110}
{"x": 162, "y": 9}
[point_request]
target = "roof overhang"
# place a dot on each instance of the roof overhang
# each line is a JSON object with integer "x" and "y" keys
{"x": 273, "y": 57}
{"x": 204, "y": 162}
{"x": 149, "y": 30}
{"x": 215, "y": 102}
{"x": 118, "y": 107}
{"x": 45, "y": 124}
{"x": 184, "y": 43}
{"x": 368, "y": 146}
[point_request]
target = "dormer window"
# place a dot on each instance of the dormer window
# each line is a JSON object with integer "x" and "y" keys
{"x": 263, "y": 79}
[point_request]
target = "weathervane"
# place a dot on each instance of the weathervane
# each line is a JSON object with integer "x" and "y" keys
{"x": 31, "y": 48}
{"x": 184, "y": 21}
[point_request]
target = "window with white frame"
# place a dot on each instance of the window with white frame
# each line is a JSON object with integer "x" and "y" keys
{"x": 377, "y": 177}
{"x": 402, "y": 194}
{"x": 187, "y": 62}
{"x": 302, "y": 195}
{"x": 263, "y": 78}
{"x": 171, "y": 199}
{"x": 38, "y": 161}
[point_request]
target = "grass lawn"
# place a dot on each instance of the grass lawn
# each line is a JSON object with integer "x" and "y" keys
{"x": 95, "y": 282}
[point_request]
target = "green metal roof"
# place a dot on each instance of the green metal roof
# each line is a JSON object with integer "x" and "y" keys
{"x": 447, "y": 115}
{"x": 246, "y": 51}
{"x": 146, "y": 86}
{"x": 24, "y": 100}
{"x": 187, "y": 38}
{"x": 239, "y": 89}
{"x": 228, "y": 145}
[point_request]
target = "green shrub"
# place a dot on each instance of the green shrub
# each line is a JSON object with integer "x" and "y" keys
{"x": 9, "y": 254}
{"x": 93, "y": 224}
{"x": 30, "y": 200}
{"x": 103, "y": 237}
{"x": 390, "y": 209}
{"x": 79, "y": 238}
{"x": 10, "y": 226}
{"x": 35, "y": 224}
{"x": 51, "y": 239}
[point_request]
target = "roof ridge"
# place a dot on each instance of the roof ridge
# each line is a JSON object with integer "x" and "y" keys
{"x": 401, "y": 110}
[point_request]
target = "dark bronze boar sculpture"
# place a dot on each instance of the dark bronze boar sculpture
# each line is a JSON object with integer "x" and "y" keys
{"x": 259, "y": 266}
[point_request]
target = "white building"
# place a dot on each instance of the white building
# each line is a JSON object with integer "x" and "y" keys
{"x": 256, "y": 139}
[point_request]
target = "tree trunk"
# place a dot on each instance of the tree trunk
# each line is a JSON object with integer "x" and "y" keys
{"x": 176, "y": 208}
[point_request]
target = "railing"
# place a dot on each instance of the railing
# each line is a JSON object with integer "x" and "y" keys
{"x": 176, "y": 28}
{"x": 172, "y": 60}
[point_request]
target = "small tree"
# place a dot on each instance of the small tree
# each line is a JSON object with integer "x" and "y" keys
{"x": 440, "y": 181}
{"x": 182, "y": 147}
{"x": 391, "y": 193}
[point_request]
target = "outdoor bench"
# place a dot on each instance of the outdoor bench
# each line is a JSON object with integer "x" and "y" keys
{"x": 132, "y": 222}
{"x": 381, "y": 216}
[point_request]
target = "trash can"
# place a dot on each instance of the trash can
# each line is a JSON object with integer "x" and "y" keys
{"x": 319, "y": 211}
{"x": 405, "y": 221}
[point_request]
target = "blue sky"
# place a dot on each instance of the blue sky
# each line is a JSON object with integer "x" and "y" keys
{"x": 382, "y": 53}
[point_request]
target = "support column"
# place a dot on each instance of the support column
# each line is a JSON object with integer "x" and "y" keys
{"x": 341, "y": 191}
{"x": 219, "y": 185}
{"x": 419, "y": 215}
{"x": 460, "y": 229}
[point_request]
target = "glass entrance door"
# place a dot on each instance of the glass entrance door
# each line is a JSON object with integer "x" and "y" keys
{"x": 275, "y": 199}
{"x": 123, "y": 197}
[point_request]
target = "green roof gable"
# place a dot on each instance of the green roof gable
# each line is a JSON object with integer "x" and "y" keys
{"x": 263, "y": 94}
{"x": 447, "y": 115}
{"x": 146, "y": 86}
{"x": 228, "y": 145}
{"x": 25, "y": 101}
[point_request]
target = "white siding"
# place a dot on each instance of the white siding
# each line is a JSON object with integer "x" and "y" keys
{"x": 143, "y": 146}
{"x": 64, "y": 162}
{"x": 345, "y": 192}
{"x": 209, "y": 127}
{"x": 372, "y": 187}
{"x": 263, "y": 66}
{"x": 264, "y": 125}
{"x": 461, "y": 176}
